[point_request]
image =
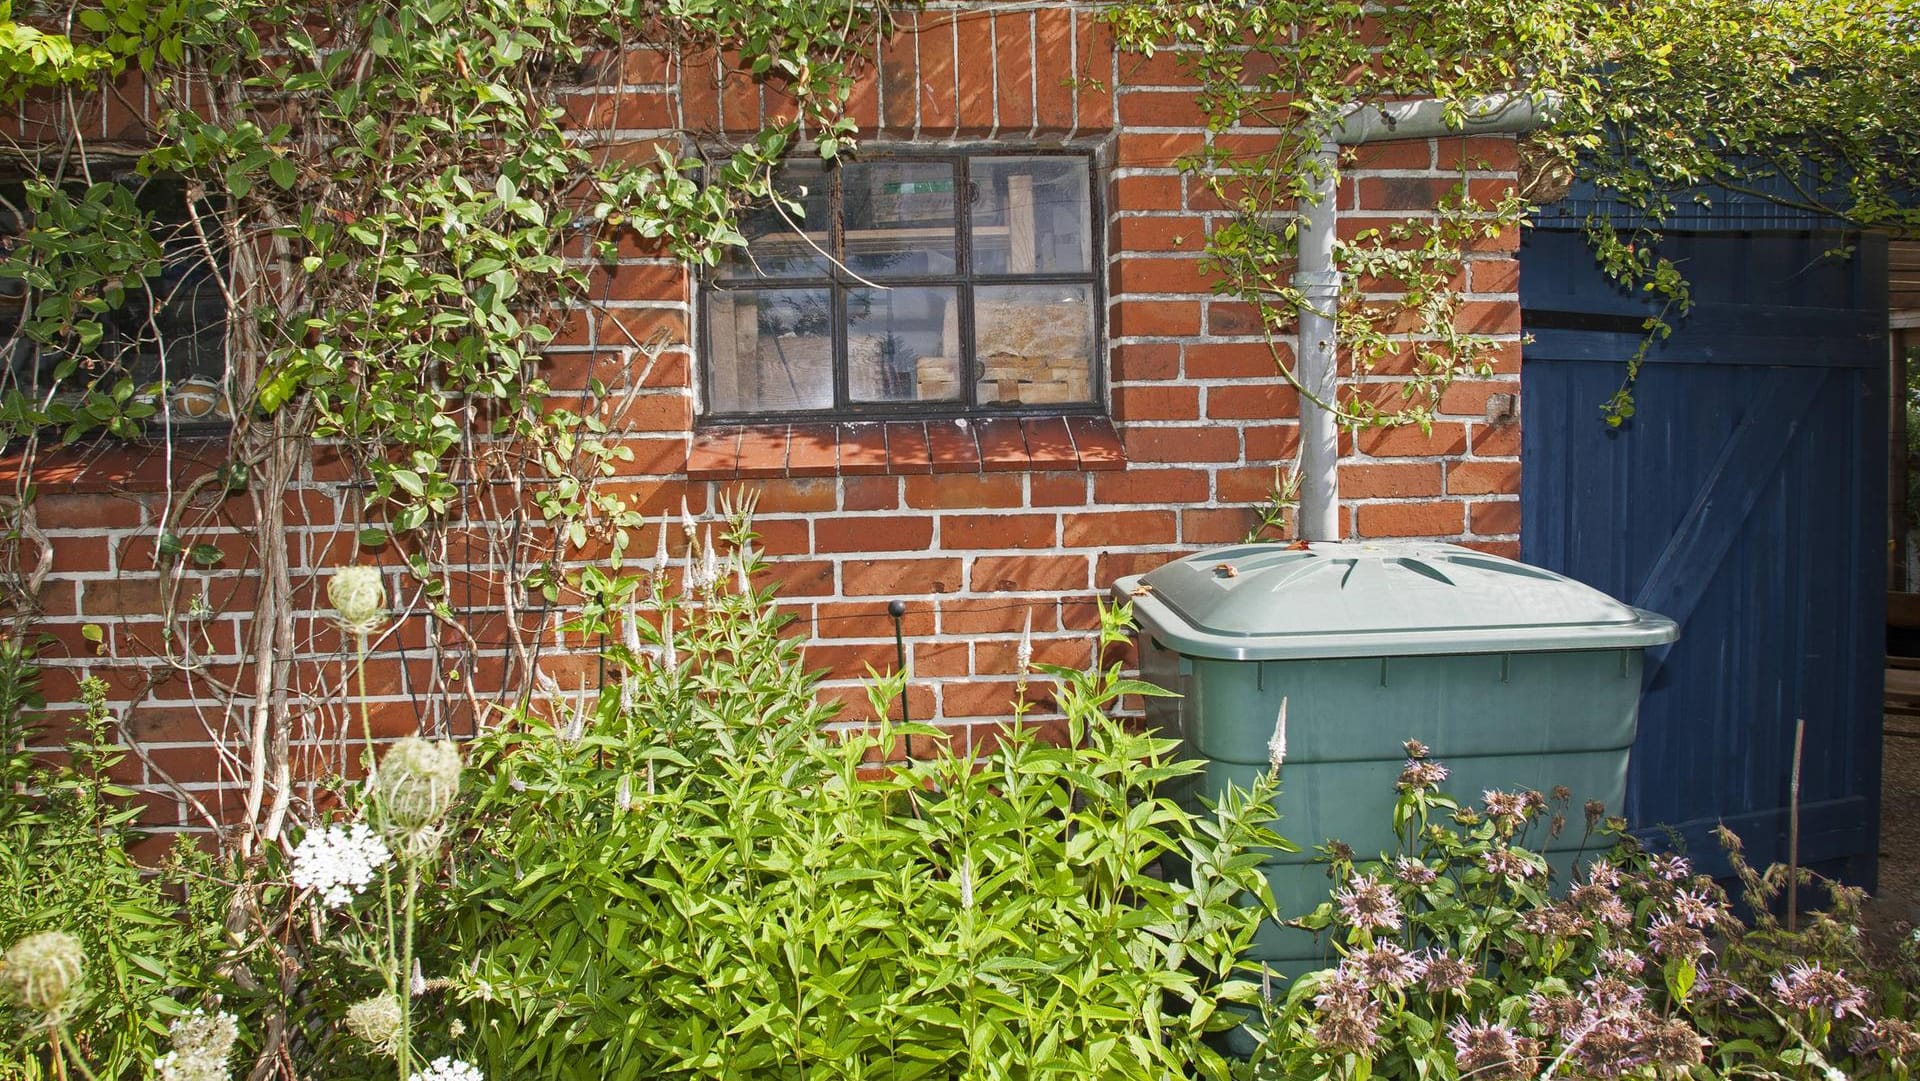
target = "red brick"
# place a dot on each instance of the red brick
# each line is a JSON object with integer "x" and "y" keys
{"x": 952, "y": 446}
{"x": 1049, "y": 443}
{"x": 843, "y": 661}
{"x": 805, "y": 495}
{"x": 1389, "y": 480}
{"x": 873, "y": 534}
{"x": 1484, "y": 153}
{"x": 938, "y": 83}
{"x": 942, "y": 658}
{"x": 975, "y": 70}
{"x": 1057, "y": 489}
{"x": 801, "y": 577}
{"x": 866, "y": 577}
{"x": 1494, "y": 275}
{"x": 1253, "y": 484}
{"x": 863, "y": 104}
{"x": 1151, "y": 486}
{"x": 1096, "y": 443}
{"x": 963, "y": 491}
{"x": 1012, "y": 574}
{"x": 1156, "y": 403}
{"x": 1156, "y": 149}
{"x": 869, "y": 619}
{"x": 899, "y": 82}
{"x": 1146, "y": 360}
{"x": 960, "y": 532}
{"x": 1235, "y": 360}
{"x": 1488, "y": 317}
{"x": 870, "y": 493}
{"x": 1470, "y": 396}
{"x": 1145, "y": 193}
{"x": 739, "y": 96}
{"x": 981, "y": 698}
{"x": 1495, "y": 517}
{"x": 1233, "y": 319}
{"x": 1113, "y": 566}
{"x": 1156, "y": 318}
{"x": 90, "y": 512}
{"x": 1161, "y": 109}
{"x": 1136, "y": 274}
{"x": 1509, "y": 549}
{"x": 1252, "y": 401}
{"x": 1003, "y": 444}
{"x": 1053, "y": 69}
{"x": 1407, "y": 441}
{"x": 813, "y": 451}
{"x": 700, "y": 92}
{"x": 1496, "y": 440}
{"x": 1093, "y": 85}
{"x": 907, "y": 450}
{"x": 1483, "y": 478}
{"x": 1200, "y": 526}
{"x": 863, "y": 448}
{"x": 1012, "y": 66}
{"x": 763, "y": 451}
{"x": 1105, "y": 529}
{"x": 1139, "y": 233}
{"x": 993, "y": 615}
{"x": 1397, "y": 154}
{"x": 1410, "y": 519}
{"x": 1216, "y": 443}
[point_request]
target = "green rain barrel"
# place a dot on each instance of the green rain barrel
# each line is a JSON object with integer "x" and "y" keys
{"x": 1515, "y": 677}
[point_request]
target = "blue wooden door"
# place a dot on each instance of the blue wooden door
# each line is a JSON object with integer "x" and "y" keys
{"x": 1746, "y": 499}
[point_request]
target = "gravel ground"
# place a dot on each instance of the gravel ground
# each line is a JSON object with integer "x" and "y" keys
{"x": 1900, "y": 826}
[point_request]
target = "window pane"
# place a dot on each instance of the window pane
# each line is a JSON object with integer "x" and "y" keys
{"x": 772, "y": 349}
{"x": 1030, "y": 215}
{"x": 1034, "y": 343}
{"x": 903, "y": 344}
{"x": 899, "y": 217}
{"x": 776, "y": 247}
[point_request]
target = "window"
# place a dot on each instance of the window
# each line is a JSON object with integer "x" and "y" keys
{"x": 170, "y": 326}
{"x": 909, "y": 286}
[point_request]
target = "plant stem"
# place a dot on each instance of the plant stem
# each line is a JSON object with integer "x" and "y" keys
{"x": 405, "y": 975}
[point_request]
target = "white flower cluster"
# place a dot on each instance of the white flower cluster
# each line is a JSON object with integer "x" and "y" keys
{"x": 338, "y": 861}
{"x": 447, "y": 1069}
{"x": 201, "y": 1046}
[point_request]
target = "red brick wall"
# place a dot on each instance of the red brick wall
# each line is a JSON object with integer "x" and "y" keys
{"x": 1006, "y": 522}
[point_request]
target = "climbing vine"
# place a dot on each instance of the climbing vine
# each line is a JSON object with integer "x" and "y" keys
{"x": 400, "y": 216}
{"x": 1813, "y": 103}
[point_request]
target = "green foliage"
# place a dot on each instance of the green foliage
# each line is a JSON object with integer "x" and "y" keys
{"x": 64, "y": 866}
{"x": 1814, "y": 104}
{"x": 32, "y": 59}
{"x": 689, "y": 878}
{"x": 1456, "y": 959}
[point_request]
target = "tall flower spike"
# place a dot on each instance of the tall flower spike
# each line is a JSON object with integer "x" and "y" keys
{"x": 630, "y": 630}
{"x": 686, "y": 520}
{"x": 1023, "y": 653}
{"x": 667, "y": 655}
{"x": 660, "y": 547}
{"x": 709, "y": 563}
{"x": 359, "y": 599}
{"x": 741, "y": 559}
{"x": 1277, "y": 745}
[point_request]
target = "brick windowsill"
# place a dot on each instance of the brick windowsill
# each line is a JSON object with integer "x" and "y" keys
{"x": 853, "y": 448}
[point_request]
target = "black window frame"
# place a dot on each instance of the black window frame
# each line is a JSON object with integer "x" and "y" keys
{"x": 18, "y": 352}
{"x": 963, "y": 279}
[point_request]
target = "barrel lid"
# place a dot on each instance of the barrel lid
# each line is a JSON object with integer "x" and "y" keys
{"x": 1369, "y": 599}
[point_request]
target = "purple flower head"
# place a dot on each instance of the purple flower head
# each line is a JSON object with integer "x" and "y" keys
{"x": 1415, "y": 749}
{"x": 1420, "y": 775}
{"x": 1491, "y": 1051}
{"x": 1889, "y": 1037}
{"x": 1444, "y": 972}
{"x": 1608, "y": 994}
{"x": 1553, "y": 921}
{"x": 1555, "y": 1014}
{"x": 1674, "y": 939}
{"x": 1506, "y": 863}
{"x": 1696, "y": 909}
{"x": 1503, "y": 804}
{"x": 1623, "y": 961}
{"x": 1671, "y": 868}
{"x": 1368, "y": 904}
{"x": 1348, "y": 1017}
{"x": 1672, "y": 1042}
{"x": 1413, "y": 872}
{"x": 1384, "y": 965}
{"x": 1810, "y": 987}
{"x": 1603, "y": 874}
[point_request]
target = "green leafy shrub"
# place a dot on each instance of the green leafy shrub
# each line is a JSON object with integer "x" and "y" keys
{"x": 1457, "y": 961}
{"x": 65, "y": 868}
{"x": 691, "y": 878}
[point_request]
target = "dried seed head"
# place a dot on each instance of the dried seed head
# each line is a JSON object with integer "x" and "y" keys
{"x": 359, "y": 599}
{"x": 1277, "y": 743}
{"x": 376, "y": 1021}
{"x": 42, "y": 972}
{"x": 417, "y": 781}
